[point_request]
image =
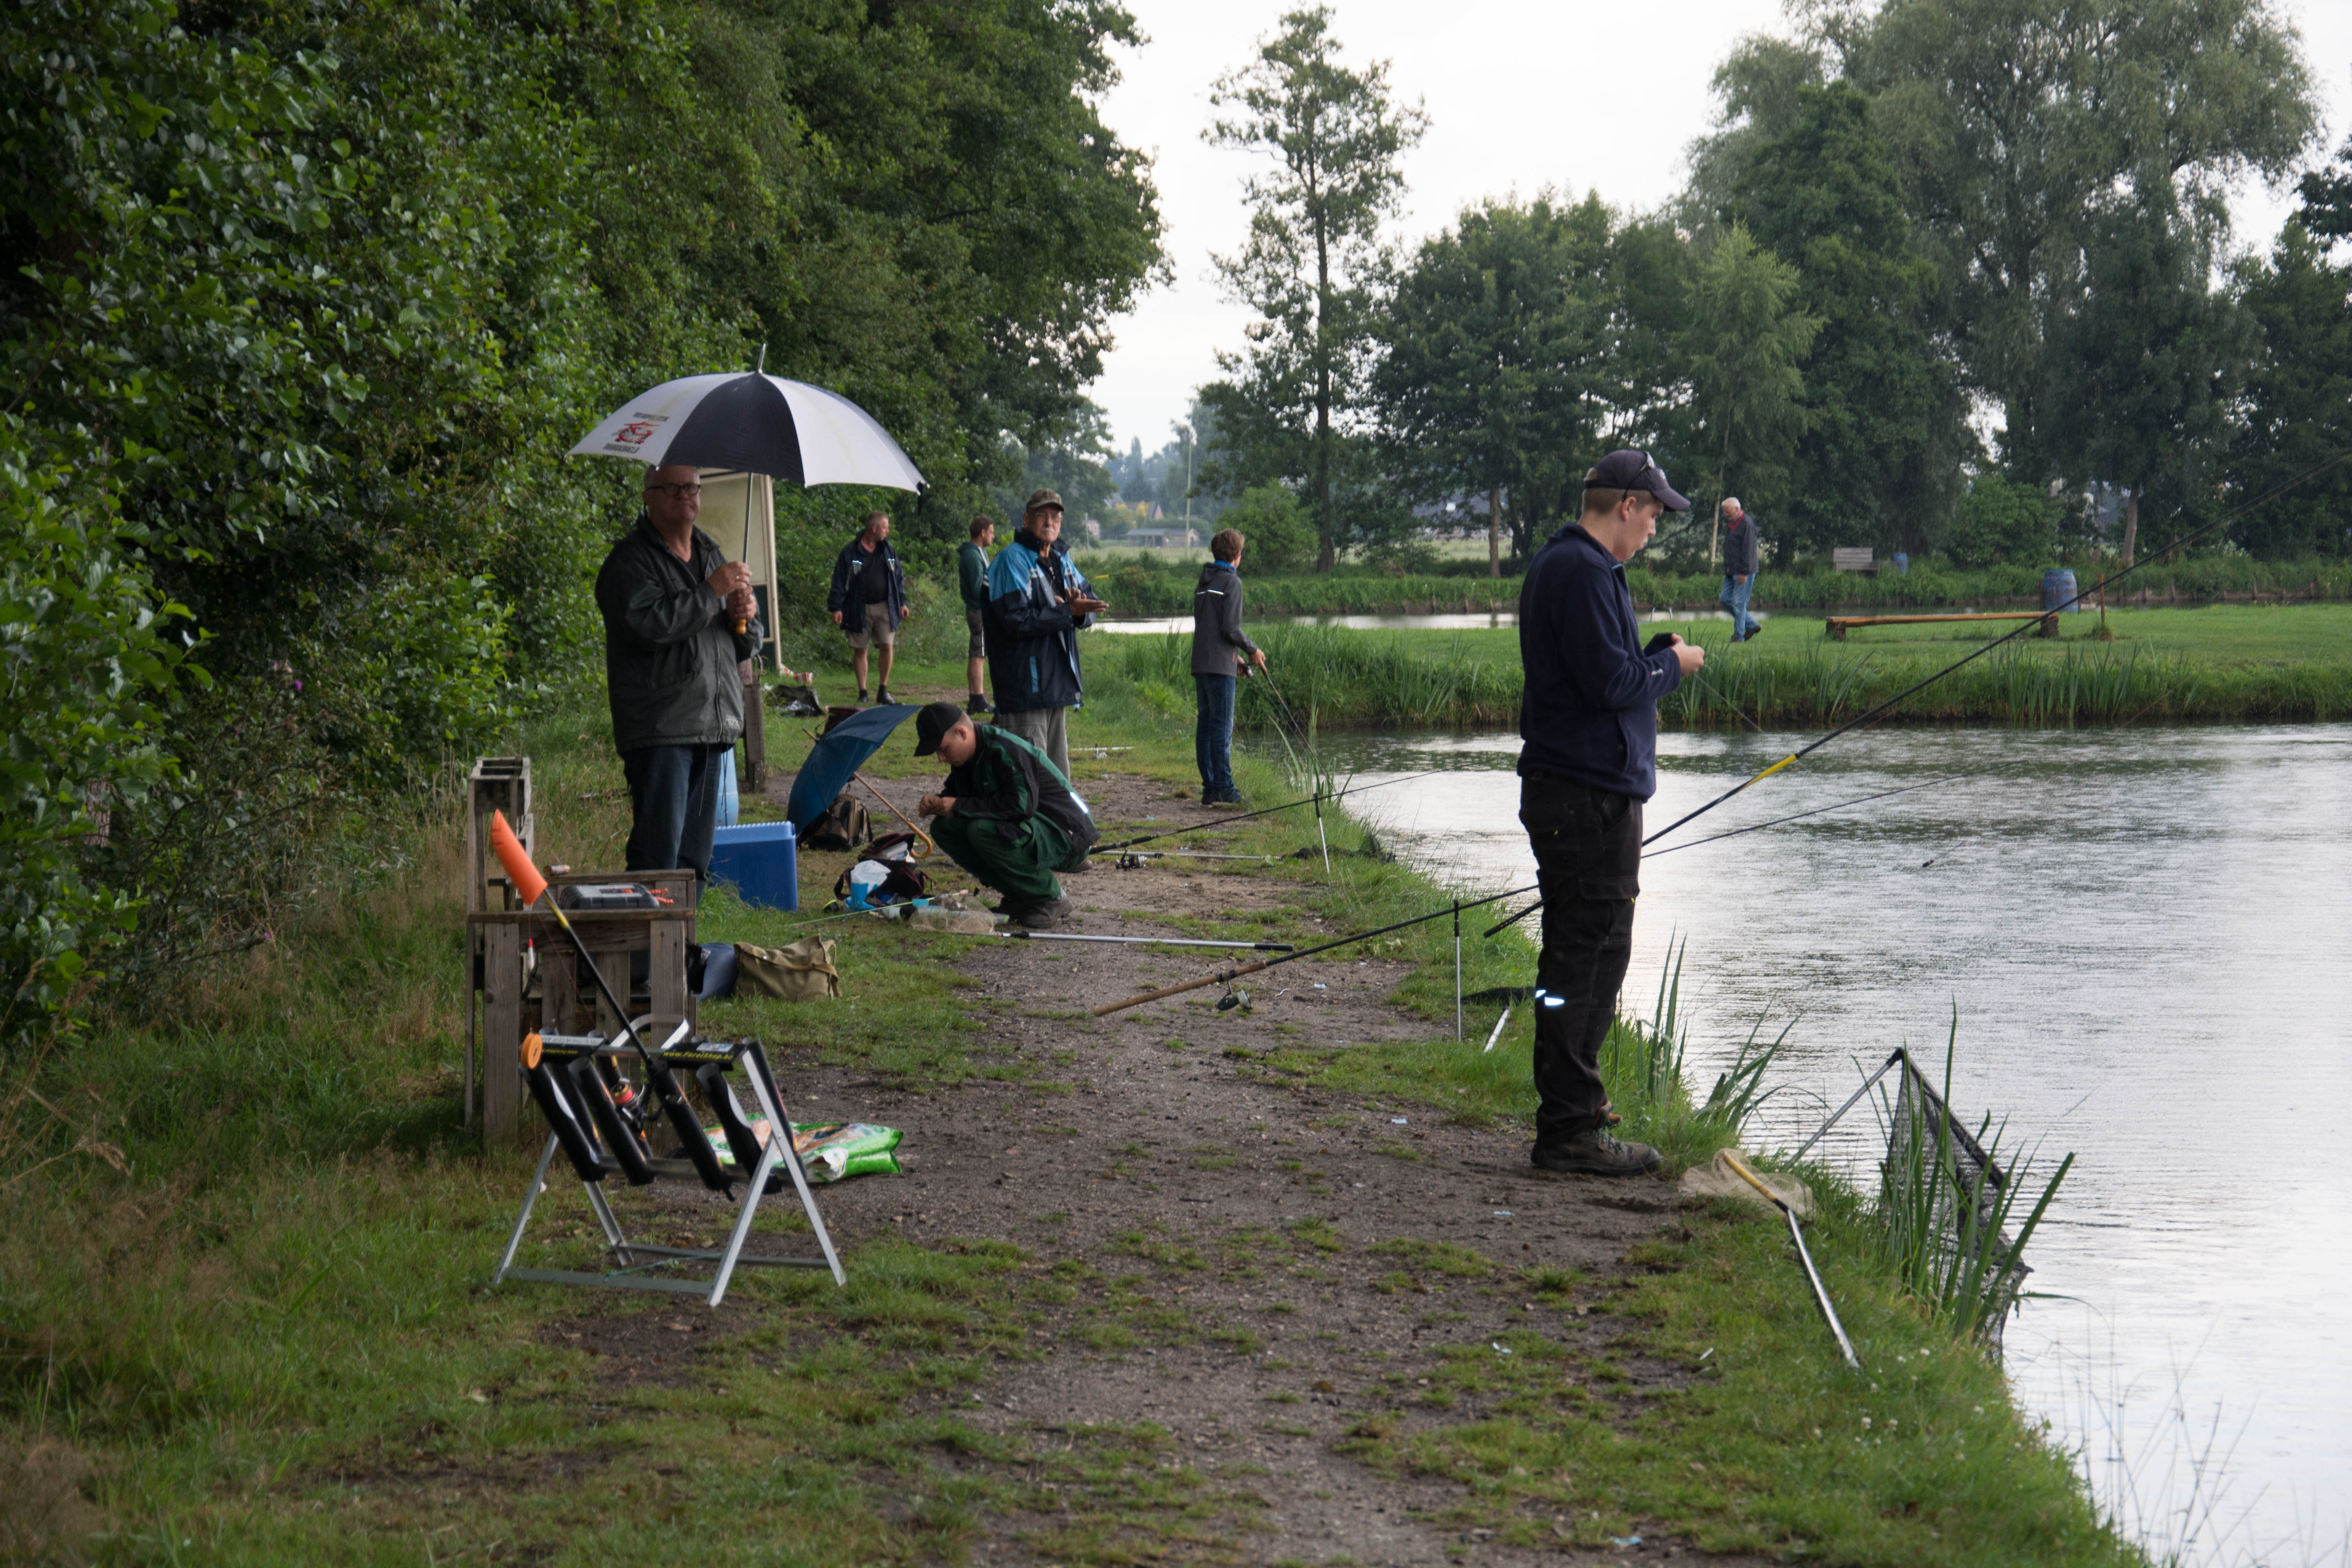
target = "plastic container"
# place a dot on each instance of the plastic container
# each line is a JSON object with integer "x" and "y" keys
{"x": 731, "y": 801}
{"x": 762, "y": 860}
{"x": 2057, "y": 587}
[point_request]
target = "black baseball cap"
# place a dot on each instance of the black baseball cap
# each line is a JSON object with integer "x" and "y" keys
{"x": 935, "y": 721}
{"x": 1630, "y": 470}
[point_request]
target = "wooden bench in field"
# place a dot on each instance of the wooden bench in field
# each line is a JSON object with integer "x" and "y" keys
{"x": 1855, "y": 558}
{"x": 1836, "y": 626}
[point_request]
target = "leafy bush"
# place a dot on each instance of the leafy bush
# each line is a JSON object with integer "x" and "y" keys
{"x": 85, "y": 668}
{"x": 2001, "y": 522}
{"x": 1279, "y": 535}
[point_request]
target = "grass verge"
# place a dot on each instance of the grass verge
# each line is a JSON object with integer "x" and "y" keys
{"x": 244, "y": 1319}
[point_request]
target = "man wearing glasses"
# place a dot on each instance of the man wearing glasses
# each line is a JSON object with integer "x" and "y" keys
{"x": 673, "y": 672}
{"x": 1588, "y": 719}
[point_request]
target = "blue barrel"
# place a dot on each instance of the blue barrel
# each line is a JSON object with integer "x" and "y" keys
{"x": 762, "y": 860}
{"x": 2057, "y": 587}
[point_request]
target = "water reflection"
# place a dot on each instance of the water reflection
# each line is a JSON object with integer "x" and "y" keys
{"x": 2142, "y": 932}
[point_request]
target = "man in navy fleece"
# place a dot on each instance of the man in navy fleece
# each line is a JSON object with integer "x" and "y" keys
{"x": 1588, "y": 719}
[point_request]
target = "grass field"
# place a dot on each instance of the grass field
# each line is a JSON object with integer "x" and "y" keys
{"x": 243, "y": 1315}
{"x": 2223, "y": 662}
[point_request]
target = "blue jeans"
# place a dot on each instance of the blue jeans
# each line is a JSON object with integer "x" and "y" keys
{"x": 1212, "y": 737}
{"x": 1735, "y": 599}
{"x": 674, "y": 805}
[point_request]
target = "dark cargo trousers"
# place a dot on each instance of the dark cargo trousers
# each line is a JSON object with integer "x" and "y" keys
{"x": 1022, "y": 867}
{"x": 1588, "y": 848}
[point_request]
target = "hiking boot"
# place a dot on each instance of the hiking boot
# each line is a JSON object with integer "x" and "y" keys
{"x": 1753, "y": 628}
{"x": 1043, "y": 916}
{"x": 976, "y": 703}
{"x": 882, "y": 695}
{"x": 1596, "y": 1153}
{"x": 861, "y": 697}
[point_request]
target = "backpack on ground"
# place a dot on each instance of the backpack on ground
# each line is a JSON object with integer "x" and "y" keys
{"x": 842, "y": 826}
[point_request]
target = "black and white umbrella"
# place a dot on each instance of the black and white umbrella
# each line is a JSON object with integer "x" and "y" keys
{"x": 758, "y": 424}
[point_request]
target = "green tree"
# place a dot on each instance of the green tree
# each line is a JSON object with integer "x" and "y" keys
{"x": 1885, "y": 421}
{"x": 2151, "y": 358}
{"x": 1280, "y": 536}
{"x": 2011, "y": 124}
{"x": 1746, "y": 337}
{"x": 2297, "y": 399}
{"x": 1999, "y": 521}
{"x": 1295, "y": 403}
{"x": 1495, "y": 342}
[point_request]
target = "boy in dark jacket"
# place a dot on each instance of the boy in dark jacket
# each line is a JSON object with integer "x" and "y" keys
{"x": 971, "y": 582}
{"x": 1038, "y": 601}
{"x": 1221, "y": 651}
{"x": 868, "y": 599}
{"x": 1005, "y": 813}
{"x": 673, "y": 671}
{"x": 1589, "y": 716}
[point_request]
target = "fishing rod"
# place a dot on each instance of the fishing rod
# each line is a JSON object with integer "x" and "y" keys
{"x": 1321, "y": 837}
{"x": 1265, "y": 811}
{"x": 1883, "y": 709}
{"x": 1841, "y": 805}
{"x": 1142, "y": 941}
{"x": 1760, "y": 827}
{"x": 1133, "y": 859}
{"x": 1226, "y": 975}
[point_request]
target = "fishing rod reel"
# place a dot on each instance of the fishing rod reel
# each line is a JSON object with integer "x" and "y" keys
{"x": 1235, "y": 997}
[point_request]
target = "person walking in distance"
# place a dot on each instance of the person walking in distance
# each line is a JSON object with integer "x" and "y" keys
{"x": 670, "y": 603}
{"x": 1038, "y": 601}
{"x": 868, "y": 599}
{"x": 1739, "y": 568}
{"x": 1589, "y": 721}
{"x": 972, "y": 580}
{"x": 1221, "y": 651}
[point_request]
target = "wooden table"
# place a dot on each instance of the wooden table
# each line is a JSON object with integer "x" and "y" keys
{"x": 567, "y": 1002}
{"x": 1837, "y": 625}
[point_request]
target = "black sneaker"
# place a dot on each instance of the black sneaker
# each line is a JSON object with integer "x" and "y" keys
{"x": 1597, "y": 1153}
{"x": 882, "y": 695}
{"x": 976, "y": 703}
{"x": 861, "y": 697}
{"x": 1753, "y": 628}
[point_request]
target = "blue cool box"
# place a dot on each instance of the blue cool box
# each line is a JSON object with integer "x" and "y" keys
{"x": 762, "y": 860}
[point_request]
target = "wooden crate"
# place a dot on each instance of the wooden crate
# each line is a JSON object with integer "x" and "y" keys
{"x": 566, "y": 1000}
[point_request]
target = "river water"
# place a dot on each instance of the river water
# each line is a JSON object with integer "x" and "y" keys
{"x": 2145, "y": 934}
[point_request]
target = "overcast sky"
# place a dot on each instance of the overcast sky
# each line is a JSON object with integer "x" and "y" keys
{"x": 1495, "y": 78}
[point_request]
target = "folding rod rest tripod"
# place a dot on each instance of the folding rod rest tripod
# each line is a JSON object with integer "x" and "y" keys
{"x": 565, "y": 1075}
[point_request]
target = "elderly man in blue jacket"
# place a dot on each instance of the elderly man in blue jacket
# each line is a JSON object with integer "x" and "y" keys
{"x": 1588, "y": 719}
{"x": 1038, "y": 601}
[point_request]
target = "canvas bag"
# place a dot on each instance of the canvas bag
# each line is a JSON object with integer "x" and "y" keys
{"x": 841, "y": 826}
{"x": 801, "y": 972}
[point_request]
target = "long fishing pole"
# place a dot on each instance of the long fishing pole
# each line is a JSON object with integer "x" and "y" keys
{"x": 1224, "y": 975}
{"x": 1265, "y": 811}
{"x": 1883, "y": 709}
{"x": 1321, "y": 837}
{"x": 1841, "y": 805}
{"x": 1143, "y": 941}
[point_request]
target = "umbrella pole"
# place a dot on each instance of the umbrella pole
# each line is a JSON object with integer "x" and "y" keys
{"x": 919, "y": 833}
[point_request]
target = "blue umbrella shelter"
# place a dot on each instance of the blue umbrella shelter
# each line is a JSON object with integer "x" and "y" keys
{"x": 839, "y": 752}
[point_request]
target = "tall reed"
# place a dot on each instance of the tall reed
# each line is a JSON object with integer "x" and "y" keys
{"x": 1946, "y": 1204}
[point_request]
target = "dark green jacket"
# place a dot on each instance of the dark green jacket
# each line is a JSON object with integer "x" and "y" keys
{"x": 1010, "y": 780}
{"x": 672, "y": 657}
{"x": 971, "y": 575}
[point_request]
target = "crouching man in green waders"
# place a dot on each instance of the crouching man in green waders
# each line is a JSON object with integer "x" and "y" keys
{"x": 1006, "y": 813}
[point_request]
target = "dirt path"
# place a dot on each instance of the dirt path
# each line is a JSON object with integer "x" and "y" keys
{"x": 1257, "y": 1268}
